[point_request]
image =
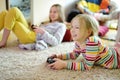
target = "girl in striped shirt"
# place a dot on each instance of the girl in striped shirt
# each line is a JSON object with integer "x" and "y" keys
{"x": 84, "y": 32}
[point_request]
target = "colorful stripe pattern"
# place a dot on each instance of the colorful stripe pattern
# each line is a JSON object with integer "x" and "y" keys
{"x": 94, "y": 53}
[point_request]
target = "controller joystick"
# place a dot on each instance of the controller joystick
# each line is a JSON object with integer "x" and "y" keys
{"x": 51, "y": 59}
{"x": 32, "y": 26}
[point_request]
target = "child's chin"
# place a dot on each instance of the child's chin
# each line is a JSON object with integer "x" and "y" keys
{"x": 75, "y": 39}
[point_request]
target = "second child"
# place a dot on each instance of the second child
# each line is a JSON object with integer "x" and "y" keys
{"x": 87, "y": 44}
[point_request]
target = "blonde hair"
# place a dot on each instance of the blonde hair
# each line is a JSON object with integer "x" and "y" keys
{"x": 60, "y": 12}
{"x": 89, "y": 22}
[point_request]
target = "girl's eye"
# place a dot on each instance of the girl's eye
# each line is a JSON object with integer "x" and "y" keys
{"x": 77, "y": 27}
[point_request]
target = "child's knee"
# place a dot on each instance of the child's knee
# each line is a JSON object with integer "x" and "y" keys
{"x": 3, "y": 12}
{"x": 14, "y": 11}
{"x": 2, "y": 19}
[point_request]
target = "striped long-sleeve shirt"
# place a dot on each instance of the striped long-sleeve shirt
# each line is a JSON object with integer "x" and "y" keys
{"x": 94, "y": 53}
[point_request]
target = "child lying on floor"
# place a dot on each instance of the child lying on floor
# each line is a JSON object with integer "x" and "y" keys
{"x": 84, "y": 32}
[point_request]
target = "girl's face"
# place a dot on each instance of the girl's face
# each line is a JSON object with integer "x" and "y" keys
{"x": 54, "y": 15}
{"x": 78, "y": 31}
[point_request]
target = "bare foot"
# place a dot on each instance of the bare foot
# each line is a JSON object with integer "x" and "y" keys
{"x": 2, "y": 45}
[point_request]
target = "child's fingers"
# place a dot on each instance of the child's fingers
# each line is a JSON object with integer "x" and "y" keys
{"x": 56, "y": 59}
{"x": 54, "y": 56}
{"x": 51, "y": 65}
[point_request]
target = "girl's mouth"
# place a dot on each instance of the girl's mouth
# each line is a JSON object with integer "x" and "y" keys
{"x": 74, "y": 35}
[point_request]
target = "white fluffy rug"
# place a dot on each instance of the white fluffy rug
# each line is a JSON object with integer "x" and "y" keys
{"x": 17, "y": 64}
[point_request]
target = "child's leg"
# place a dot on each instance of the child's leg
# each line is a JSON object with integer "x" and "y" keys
{"x": 13, "y": 15}
{"x": 22, "y": 31}
{"x": 4, "y": 38}
{"x": 20, "y": 26}
{"x": 40, "y": 45}
{"x": 24, "y": 34}
{"x": 27, "y": 46}
{"x": 2, "y": 18}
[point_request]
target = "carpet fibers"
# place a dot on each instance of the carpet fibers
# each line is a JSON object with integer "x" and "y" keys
{"x": 17, "y": 64}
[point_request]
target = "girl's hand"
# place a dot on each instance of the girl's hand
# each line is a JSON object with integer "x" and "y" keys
{"x": 53, "y": 56}
{"x": 56, "y": 56}
{"x": 33, "y": 26}
{"x": 58, "y": 64}
{"x": 39, "y": 30}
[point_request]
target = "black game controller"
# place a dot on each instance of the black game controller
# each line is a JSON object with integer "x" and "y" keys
{"x": 32, "y": 26}
{"x": 50, "y": 60}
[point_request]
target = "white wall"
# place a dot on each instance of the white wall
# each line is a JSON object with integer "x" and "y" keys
{"x": 40, "y": 8}
{"x": 2, "y": 5}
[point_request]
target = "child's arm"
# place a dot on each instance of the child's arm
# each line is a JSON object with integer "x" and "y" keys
{"x": 71, "y": 55}
{"x": 56, "y": 38}
{"x": 89, "y": 57}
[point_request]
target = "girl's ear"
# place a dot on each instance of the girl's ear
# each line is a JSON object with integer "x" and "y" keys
{"x": 89, "y": 31}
